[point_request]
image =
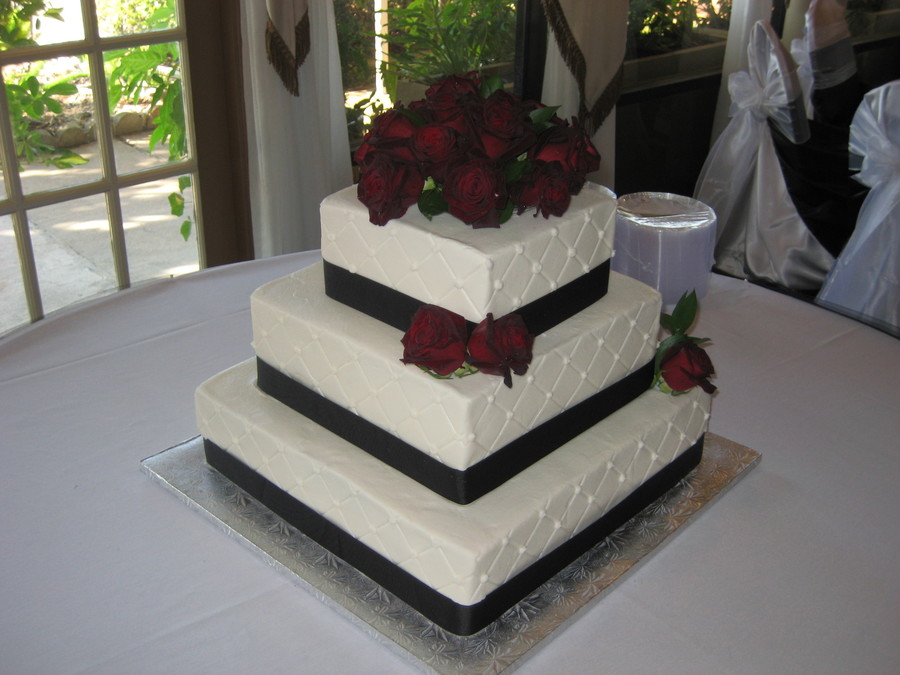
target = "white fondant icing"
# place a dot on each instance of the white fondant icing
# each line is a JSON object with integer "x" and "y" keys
{"x": 354, "y": 361}
{"x": 464, "y": 552}
{"x": 471, "y": 271}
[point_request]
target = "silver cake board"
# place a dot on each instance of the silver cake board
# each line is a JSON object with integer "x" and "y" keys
{"x": 500, "y": 646}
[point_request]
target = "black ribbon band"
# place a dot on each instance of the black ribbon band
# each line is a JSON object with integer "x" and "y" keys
{"x": 396, "y": 309}
{"x": 438, "y": 608}
{"x": 460, "y": 486}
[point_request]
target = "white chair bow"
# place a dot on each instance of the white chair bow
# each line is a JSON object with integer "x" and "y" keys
{"x": 760, "y": 234}
{"x": 865, "y": 280}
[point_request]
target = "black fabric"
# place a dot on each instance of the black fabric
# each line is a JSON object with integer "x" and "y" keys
{"x": 396, "y": 309}
{"x": 817, "y": 172}
{"x": 458, "y": 619}
{"x": 462, "y": 487}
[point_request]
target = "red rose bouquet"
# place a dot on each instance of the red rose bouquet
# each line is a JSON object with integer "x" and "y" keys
{"x": 471, "y": 149}
{"x": 438, "y": 343}
{"x": 681, "y": 363}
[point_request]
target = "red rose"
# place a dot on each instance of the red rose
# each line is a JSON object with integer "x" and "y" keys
{"x": 685, "y": 366}
{"x": 546, "y": 188}
{"x": 436, "y": 146}
{"x": 388, "y": 188}
{"x": 391, "y": 133}
{"x": 450, "y": 91}
{"x": 571, "y": 147}
{"x": 475, "y": 192}
{"x": 498, "y": 347}
{"x": 436, "y": 340}
{"x": 505, "y": 129}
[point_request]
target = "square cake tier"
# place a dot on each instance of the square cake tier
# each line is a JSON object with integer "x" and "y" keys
{"x": 459, "y": 565}
{"x": 343, "y": 369}
{"x": 469, "y": 271}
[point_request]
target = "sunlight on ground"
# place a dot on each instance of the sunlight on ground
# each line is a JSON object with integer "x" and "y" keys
{"x": 181, "y": 269}
{"x": 83, "y": 226}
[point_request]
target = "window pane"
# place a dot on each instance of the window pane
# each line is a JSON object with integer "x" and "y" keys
{"x": 72, "y": 251}
{"x": 675, "y": 38}
{"x": 51, "y": 110}
{"x": 424, "y": 41}
{"x": 146, "y": 97}
{"x": 13, "y": 308}
{"x": 127, "y": 17}
{"x": 153, "y": 235}
{"x": 59, "y": 22}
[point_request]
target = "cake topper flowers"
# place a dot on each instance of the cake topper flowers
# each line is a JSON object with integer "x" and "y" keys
{"x": 474, "y": 150}
{"x": 681, "y": 363}
{"x": 437, "y": 341}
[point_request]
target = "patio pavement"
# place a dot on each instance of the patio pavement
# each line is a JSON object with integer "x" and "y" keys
{"x": 71, "y": 240}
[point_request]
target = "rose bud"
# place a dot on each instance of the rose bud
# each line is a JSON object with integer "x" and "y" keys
{"x": 685, "y": 366}
{"x": 498, "y": 347}
{"x": 436, "y": 340}
{"x": 388, "y": 188}
{"x": 475, "y": 191}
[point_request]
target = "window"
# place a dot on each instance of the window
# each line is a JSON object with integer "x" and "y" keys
{"x": 392, "y": 49}
{"x": 101, "y": 185}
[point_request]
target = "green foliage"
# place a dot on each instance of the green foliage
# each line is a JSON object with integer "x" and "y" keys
{"x": 17, "y": 18}
{"x": 154, "y": 71}
{"x": 660, "y": 26}
{"x": 27, "y": 96}
{"x": 125, "y": 17}
{"x": 28, "y": 101}
{"x": 430, "y": 39}
{"x": 355, "y": 22}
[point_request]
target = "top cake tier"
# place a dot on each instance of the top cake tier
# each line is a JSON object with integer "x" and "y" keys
{"x": 469, "y": 271}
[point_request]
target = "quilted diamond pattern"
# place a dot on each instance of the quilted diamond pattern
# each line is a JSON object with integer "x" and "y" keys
{"x": 463, "y": 552}
{"x": 471, "y": 272}
{"x": 353, "y": 360}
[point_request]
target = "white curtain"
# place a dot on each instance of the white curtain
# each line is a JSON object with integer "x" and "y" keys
{"x": 298, "y": 146}
{"x": 598, "y": 30}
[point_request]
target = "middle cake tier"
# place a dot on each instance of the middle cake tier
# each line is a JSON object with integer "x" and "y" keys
{"x": 459, "y": 437}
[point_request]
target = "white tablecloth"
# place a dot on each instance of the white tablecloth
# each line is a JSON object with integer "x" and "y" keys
{"x": 794, "y": 570}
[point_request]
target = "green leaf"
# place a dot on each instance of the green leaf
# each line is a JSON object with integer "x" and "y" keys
{"x": 515, "y": 170}
{"x": 507, "y": 211}
{"x": 541, "y": 116}
{"x": 683, "y": 315}
{"x": 412, "y": 116}
{"x": 491, "y": 84}
{"x": 186, "y": 229}
{"x": 665, "y": 346}
{"x": 61, "y": 89}
{"x": 431, "y": 203}
{"x": 184, "y": 182}
{"x": 176, "y": 203}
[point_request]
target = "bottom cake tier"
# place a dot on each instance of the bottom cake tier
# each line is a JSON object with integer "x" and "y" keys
{"x": 460, "y": 566}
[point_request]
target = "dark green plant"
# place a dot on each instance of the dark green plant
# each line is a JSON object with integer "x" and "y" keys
{"x": 661, "y": 26}
{"x": 355, "y": 20}
{"x": 430, "y": 39}
{"x": 367, "y": 108}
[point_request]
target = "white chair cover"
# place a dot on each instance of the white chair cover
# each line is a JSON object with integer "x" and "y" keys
{"x": 865, "y": 280}
{"x": 760, "y": 233}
